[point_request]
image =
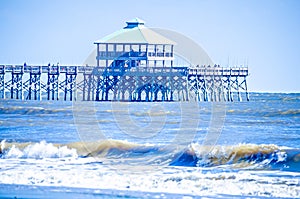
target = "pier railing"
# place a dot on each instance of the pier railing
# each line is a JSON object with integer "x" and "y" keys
{"x": 233, "y": 71}
{"x": 220, "y": 71}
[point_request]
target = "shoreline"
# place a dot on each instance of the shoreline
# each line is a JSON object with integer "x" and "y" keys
{"x": 44, "y": 192}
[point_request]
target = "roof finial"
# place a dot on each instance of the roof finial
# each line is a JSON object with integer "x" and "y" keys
{"x": 135, "y": 23}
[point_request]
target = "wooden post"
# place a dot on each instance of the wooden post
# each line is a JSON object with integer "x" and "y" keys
{"x": 2, "y": 81}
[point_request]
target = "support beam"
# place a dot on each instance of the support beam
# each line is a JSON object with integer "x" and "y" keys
{"x": 2, "y": 81}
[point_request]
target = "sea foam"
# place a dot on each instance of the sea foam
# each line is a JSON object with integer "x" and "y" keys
{"x": 38, "y": 151}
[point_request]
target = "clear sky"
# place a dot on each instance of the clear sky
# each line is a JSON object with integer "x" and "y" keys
{"x": 263, "y": 33}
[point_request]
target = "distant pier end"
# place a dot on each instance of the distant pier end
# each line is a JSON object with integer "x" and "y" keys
{"x": 133, "y": 64}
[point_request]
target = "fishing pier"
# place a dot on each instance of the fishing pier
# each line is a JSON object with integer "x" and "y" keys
{"x": 137, "y": 84}
{"x": 134, "y": 64}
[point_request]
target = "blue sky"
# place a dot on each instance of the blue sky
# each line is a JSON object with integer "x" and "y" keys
{"x": 263, "y": 33}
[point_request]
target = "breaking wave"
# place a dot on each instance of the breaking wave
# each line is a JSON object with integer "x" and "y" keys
{"x": 240, "y": 156}
{"x": 35, "y": 150}
{"x": 247, "y": 156}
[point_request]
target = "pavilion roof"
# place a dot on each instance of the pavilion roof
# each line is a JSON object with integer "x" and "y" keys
{"x": 136, "y": 33}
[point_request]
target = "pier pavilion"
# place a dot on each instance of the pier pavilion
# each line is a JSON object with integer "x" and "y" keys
{"x": 132, "y": 64}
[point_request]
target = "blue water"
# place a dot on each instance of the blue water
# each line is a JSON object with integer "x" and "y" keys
{"x": 163, "y": 149}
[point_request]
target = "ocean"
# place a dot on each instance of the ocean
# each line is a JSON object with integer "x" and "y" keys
{"x": 59, "y": 149}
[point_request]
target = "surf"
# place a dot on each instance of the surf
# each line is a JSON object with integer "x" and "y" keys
{"x": 240, "y": 156}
